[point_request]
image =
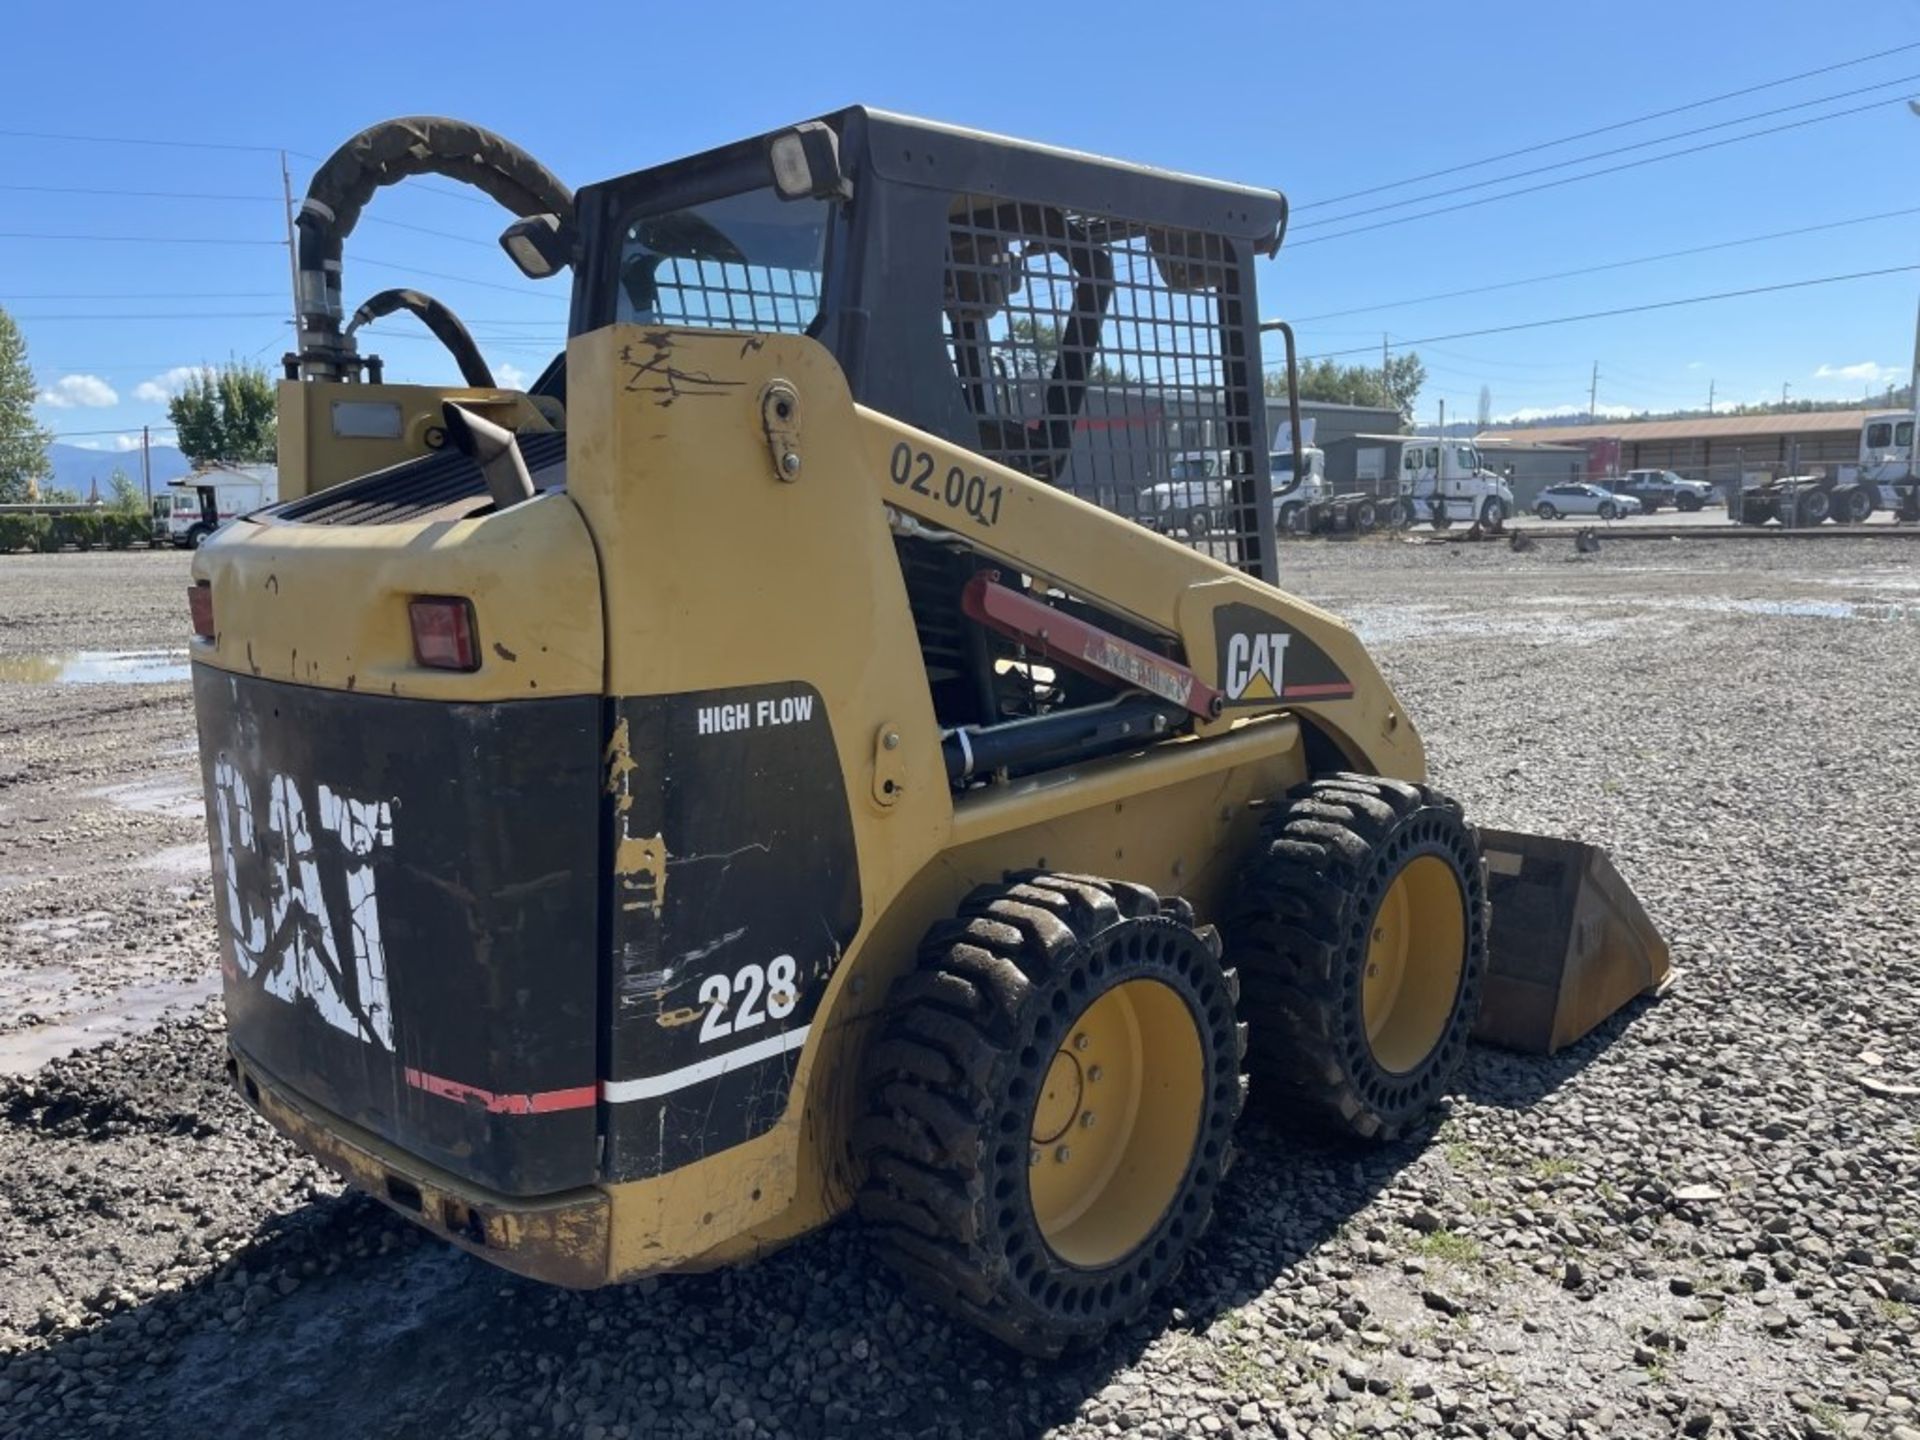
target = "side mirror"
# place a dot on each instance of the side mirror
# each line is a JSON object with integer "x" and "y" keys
{"x": 806, "y": 163}
{"x": 539, "y": 244}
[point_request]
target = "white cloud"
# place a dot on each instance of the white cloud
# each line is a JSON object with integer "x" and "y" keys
{"x": 511, "y": 375}
{"x": 162, "y": 388}
{"x": 1866, "y": 370}
{"x": 1569, "y": 412}
{"x": 72, "y": 391}
{"x": 117, "y": 442}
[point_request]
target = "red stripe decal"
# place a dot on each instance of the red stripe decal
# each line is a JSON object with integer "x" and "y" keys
{"x": 539, "y": 1102}
{"x": 1340, "y": 690}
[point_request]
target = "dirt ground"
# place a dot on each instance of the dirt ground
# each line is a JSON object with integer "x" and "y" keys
{"x": 1705, "y": 1219}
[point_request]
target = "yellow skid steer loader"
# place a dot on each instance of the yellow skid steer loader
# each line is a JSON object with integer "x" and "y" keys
{"x": 833, "y": 740}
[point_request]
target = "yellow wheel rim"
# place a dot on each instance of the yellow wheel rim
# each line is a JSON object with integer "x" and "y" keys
{"x": 1115, "y": 1123}
{"x": 1414, "y": 960}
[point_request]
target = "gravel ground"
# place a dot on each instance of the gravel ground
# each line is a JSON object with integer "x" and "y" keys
{"x": 1704, "y": 1220}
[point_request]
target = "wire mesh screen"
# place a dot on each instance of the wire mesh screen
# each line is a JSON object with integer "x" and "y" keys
{"x": 1109, "y": 358}
{"x": 743, "y": 262}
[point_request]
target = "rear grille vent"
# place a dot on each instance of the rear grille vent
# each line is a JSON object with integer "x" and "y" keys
{"x": 419, "y": 487}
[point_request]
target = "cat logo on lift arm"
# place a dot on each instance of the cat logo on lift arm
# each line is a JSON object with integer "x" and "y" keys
{"x": 1265, "y": 661}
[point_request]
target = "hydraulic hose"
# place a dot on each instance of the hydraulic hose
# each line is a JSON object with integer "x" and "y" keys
{"x": 445, "y": 325}
{"x": 385, "y": 154}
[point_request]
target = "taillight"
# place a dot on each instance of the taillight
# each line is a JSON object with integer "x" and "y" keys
{"x": 443, "y": 632}
{"x": 200, "y": 606}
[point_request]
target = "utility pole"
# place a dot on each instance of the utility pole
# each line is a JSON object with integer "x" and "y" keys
{"x": 1383, "y": 358}
{"x": 1710, "y": 385}
{"x": 1593, "y": 394}
{"x": 146, "y": 464}
{"x": 1785, "y": 386}
{"x": 1910, "y": 509}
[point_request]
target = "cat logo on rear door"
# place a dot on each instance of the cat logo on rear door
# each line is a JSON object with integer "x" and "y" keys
{"x": 1264, "y": 661}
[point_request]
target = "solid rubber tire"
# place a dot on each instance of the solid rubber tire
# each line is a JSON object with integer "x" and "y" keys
{"x": 950, "y": 1085}
{"x": 1297, "y": 934}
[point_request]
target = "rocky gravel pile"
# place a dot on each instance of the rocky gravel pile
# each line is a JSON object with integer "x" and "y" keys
{"x": 1703, "y": 1220}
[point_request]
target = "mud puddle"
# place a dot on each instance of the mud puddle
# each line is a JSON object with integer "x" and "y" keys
{"x": 1385, "y": 625}
{"x": 96, "y": 667}
{"x": 174, "y": 797}
{"x": 92, "y": 1020}
{"x": 1800, "y": 609}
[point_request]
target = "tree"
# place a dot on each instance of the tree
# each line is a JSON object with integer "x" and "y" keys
{"x": 23, "y": 440}
{"x": 1034, "y": 344}
{"x": 127, "y": 499}
{"x": 226, "y": 415}
{"x": 59, "y": 495}
{"x": 1396, "y": 387}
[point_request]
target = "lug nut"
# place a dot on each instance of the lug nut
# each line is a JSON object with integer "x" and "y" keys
{"x": 1080, "y": 1041}
{"x": 1033, "y": 1156}
{"x": 1063, "y": 1154}
{"x": 1086, "y": 1120}
{"x": 1093, "y": 1072}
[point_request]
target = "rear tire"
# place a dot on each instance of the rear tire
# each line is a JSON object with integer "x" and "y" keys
{"x": 1199, "y": 523}
{"x": 1815, "y": 506}
{"x": 1366, "y": 517}
{"x": 1688, "y": 504}
{"x": 988, "y": 1186}
{"x": 1855, "y": 506}
{"x": 1360, "y": 933}
{"x": 1546, "y": 511}
{"x": 1609, "y": 510}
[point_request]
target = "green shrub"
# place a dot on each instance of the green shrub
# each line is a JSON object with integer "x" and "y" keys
{"x": 82, "y": 529}
{"x": 21, "y": 532}
{"x": 124, "y": 529}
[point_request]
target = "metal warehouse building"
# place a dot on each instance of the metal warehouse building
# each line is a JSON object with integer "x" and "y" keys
{"x": 1707, "y": 447}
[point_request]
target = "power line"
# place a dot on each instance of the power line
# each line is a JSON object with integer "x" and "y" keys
{"x": 1606, "y": 129}
{"x": 460, "y": 279}
{"x": 1607, "y": 314}
{"x": 125, "y": 430}
{"x": 1604, "y": 154}
{"x": 1610, "y": 265}
{"x": 136, "y": 194}
{"x": 1588, "y": 175}
{"x": 141, "y": 140}
{"x": 147, "y": 295}
{"x": 164, "y": 315}
{"x": 429, "y": 230}
{"x": 138, "y": 239}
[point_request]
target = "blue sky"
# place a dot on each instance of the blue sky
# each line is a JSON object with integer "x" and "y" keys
{"x": 1318, "y": 104}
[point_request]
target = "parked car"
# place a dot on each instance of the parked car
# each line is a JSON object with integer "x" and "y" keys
{"x": 1654, "y": 488}
{"x": 1581, "y": 498}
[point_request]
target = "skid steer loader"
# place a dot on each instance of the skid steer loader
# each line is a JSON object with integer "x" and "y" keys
{"x": 767, "y": 768}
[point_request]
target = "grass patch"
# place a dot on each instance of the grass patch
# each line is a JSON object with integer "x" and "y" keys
{"x": 1554, "y": 1167}
{"x": 1450, "y": 1246}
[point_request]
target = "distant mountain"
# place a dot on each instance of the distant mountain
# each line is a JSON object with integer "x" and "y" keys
{"x": 76, "y": 468}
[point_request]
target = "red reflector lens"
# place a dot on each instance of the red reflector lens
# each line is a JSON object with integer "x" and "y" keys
{"x": 443, "y": 636}
{"x": 200, "y": 606}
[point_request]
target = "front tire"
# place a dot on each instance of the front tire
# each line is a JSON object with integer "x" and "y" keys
{"x": 1360, "y": 933}
{"x": 1051, "y": 1107}
{"x": 1493, "y": 514}
{"x": 1546, "y": 511}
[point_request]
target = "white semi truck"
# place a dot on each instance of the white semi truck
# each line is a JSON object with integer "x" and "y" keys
{"x": 1446, "y": 483}
{"x": 1883, "y": 478}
